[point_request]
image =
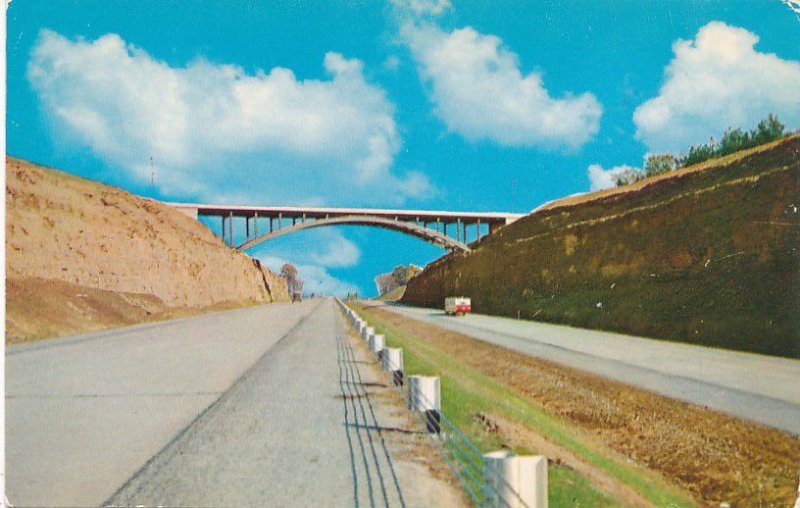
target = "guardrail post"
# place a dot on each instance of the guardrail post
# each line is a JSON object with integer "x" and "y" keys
{"x": 366, "y": 331}
{"x": 515, "y": 481}
{"x": 376, "y": 344}
{"x": 425, "y": 397}
{"x": 393, "y": 362}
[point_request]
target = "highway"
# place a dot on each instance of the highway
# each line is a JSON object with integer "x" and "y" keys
{"x": 267, "y": 406}
{"x": 755, "y": 387}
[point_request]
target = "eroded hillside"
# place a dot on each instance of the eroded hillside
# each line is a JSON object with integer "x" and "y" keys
{"x": 706, "y": 255}
{"x": 83, "y": 256}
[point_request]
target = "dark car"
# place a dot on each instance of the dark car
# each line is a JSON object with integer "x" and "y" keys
{"x": 297, "y": 297}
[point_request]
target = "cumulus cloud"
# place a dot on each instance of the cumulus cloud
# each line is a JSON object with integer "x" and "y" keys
{"x": 337, "y": 251}
{"x": 480, "y": 92}
{"x": 423, "y": 7}
{"x": 316, "y": 279}
{"x": 213, "y": 129}
{"x": 315, "y": 253}
{"x": 600, "y": 178}
{"x": 717, "y": 81}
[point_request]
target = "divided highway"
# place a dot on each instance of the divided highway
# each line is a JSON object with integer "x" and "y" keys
{"x": 265, "y": 406}
{"x": 759, "y": 388}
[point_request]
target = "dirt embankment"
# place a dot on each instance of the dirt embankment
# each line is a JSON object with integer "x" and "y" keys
{"x": 84, "y": 256}
{"x": 706, "y": 255}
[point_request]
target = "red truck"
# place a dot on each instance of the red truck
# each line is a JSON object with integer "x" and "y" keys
{"x": 457, "y": 305}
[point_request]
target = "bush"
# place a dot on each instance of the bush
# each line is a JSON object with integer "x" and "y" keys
{"x": 628, "y": 176}
{"x": 768, "y": 129}
{"x": 661, "y": 163}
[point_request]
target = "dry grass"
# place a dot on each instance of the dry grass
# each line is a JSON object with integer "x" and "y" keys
{"x": 39, "y": 309}
{"x": 647, "y": 182}
{"x": 716, "y": 457}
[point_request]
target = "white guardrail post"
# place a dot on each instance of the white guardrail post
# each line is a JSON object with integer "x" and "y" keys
{"x": 515, "y": 481}
{"x": 366, "y": 332}
{"x": 425, "y": 398}
{"x": 376, "y": 342}
{"x": 392, "y": 361}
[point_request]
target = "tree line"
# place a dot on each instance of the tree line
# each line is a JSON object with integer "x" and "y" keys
{"x": 733, "y": 140}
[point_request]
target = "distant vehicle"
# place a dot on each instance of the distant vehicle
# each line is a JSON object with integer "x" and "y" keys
{"x": 297, "y": 297}
{"x": 457, "y": 305}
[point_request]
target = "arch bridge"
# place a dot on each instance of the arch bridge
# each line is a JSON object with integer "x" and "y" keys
{"x": 453, "y": 231}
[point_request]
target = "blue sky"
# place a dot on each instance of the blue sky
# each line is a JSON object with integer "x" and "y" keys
{"x": 406, "y": 103}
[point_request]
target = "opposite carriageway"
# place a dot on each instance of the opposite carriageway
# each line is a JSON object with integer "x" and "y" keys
{"x": 449, "y": 230}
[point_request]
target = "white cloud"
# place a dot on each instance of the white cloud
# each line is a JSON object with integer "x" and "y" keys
{"x": 392, "y": 63}
{"x": 600, "y": 178}
{"x": 314, "y": 252}
{"x": 715, "y": 82}
{"x": 316, "y": 279}
{"x": 423, "y": 7}
{"x": 480, "y": 92}
{"x": 337, "y": 251}
{"x": 214, "y": 129}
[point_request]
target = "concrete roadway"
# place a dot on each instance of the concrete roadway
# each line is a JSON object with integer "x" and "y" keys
{"x": 239, "y": 408}
{"x": 759, "y": 388}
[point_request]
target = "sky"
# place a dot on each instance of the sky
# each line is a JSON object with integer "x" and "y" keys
{"x": 425, "y": 104}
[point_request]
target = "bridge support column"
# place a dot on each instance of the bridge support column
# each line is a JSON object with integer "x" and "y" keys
{"x": 255, "y": 224}
{"x": 230, "y": 228}
{"x": 222, "y": 230}
{"x": 246, "y": 227}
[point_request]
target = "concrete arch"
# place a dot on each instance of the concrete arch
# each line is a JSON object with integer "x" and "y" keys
{"x": 409, "y": 228}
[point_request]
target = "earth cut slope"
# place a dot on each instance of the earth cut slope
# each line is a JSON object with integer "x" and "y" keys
{"x": 84, "y": 256}
{"x": 706, "y": 255}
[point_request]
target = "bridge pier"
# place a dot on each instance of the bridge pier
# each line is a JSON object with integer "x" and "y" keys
{"x": 230, "y": 228}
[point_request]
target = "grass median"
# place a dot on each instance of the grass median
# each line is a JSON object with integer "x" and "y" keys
{"x": 468, "y": 396}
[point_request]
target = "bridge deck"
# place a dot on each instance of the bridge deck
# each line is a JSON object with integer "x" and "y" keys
{"x": 322, "y": 213}
{"x": 433, "y": 226}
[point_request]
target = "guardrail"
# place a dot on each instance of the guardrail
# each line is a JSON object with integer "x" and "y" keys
{"x": 496, "y": 479}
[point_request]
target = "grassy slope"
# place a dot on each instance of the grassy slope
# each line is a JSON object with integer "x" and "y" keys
{"x": 466, "y": 392}
{"x": 705, "y": 256}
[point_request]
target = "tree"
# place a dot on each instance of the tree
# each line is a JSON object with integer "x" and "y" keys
{"x": 700, "y": 153}
{"x": 732, "y": 141}
{"x": 627, "y": 176}
{"x": 768, "y": 130}
{"x": 384, "y": 283}
{"x": 402, "y": 274}
{"x": 293, "y": 280}
{"x": 660, "y": 163}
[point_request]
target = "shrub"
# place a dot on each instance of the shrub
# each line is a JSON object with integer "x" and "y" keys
{"x": 660, "y": 163}
{"x": 768, "y": 129}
